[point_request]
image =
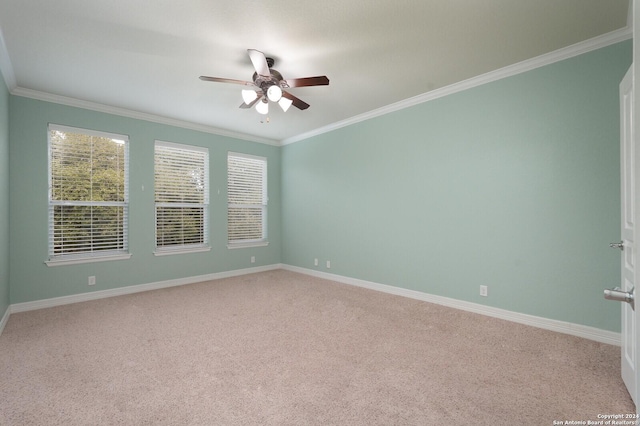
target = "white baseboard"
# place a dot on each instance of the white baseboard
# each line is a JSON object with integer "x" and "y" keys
{"x": 102, "y": 294}
{"x": 5, "y": 319}
{"x": 591, "y": 333}
{"x": 577, "y": 330}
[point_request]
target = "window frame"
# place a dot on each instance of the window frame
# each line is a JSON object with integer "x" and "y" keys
{"x": 257, "y": 242}
{"x": 88, "y": 256}
{"x": 183, "y": 248}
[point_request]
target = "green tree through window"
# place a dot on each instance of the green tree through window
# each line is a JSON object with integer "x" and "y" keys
{"x": 88, "y": 193}
{"x": 181, "y": 180}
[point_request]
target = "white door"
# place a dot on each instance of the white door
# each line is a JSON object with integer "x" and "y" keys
{"x": 628, "y": 163}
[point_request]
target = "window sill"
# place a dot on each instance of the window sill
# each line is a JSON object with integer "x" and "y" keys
{"x": 169, "y": 252}
{"x": 232, "y": 246}
{"x": 79, "y": 260}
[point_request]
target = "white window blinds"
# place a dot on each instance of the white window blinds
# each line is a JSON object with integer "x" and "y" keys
{"x": 88, "y": 194}
{"x": 247, "y": 198}
{"x": 181, "y": 196}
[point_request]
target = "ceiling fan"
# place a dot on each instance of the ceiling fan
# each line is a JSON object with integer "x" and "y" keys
{"x": 269, "y": 85}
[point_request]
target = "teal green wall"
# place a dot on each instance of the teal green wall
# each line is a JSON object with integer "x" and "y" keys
{"x": 32, "y": 280}
{"x": 512, "y": 184}
{"x": 4, "y": 197}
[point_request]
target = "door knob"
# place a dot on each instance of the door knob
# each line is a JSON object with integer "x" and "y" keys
{"x": 619, "y": 295}
{"x": 619, "y": 245}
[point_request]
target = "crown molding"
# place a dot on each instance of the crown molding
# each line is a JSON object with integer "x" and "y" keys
{"x": 94, "y": 106}
{"x": 10, "y": 79}
{"x": 508, "y": 71}
{"x": 561, "y": 54}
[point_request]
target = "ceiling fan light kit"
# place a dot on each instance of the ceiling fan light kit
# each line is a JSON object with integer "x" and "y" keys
{"x": 249, "y": 96}
{"x": 274, "y": 93}
{"x": 269, "y": 85}
{"x": 285, "y": 103}
{"x": 263, "y": 106}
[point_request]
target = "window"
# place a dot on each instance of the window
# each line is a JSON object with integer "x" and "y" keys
{"x": 181, "y": 198}
{"x": 88, "y": 195}
{"x": 247, "y": 192}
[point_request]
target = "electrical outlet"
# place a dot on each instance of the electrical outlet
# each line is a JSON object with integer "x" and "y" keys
{"x": 484, "y": 290}
{"x": 315, "y": 262}
{"x": 328, "y": 264}
{"x": 253, "y": 259}
{"x": 92, "y": 280}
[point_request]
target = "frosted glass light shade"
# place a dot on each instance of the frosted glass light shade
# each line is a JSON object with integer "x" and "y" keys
{"x": 249, "y": 96}
{"x": 274, "y": 93}
{"x": 262, "y": 107}
{"x": 285, "y": 103}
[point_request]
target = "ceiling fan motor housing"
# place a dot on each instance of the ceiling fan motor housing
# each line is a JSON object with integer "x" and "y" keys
{"x": 266, "y": 78}
{"x": 275, "y": 78}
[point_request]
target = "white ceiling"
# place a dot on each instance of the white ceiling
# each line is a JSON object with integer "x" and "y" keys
{"x": 146, "y": 55}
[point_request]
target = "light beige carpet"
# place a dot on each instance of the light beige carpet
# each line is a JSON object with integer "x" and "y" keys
{"x": 280, "y": 348}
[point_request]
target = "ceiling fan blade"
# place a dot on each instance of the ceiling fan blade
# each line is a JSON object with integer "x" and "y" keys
{"x": 226, "y": 80}
{"x": 259, "y": 62}
{"x": 297, "y": 102}
{"x": 321, "y": 80}
{"x": 253, "y": 102}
